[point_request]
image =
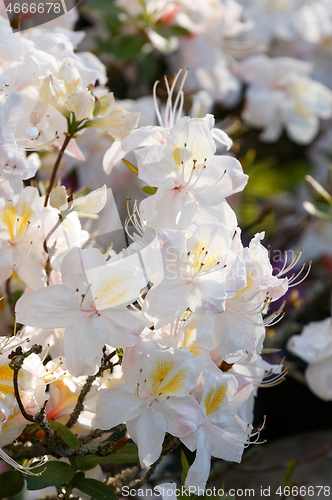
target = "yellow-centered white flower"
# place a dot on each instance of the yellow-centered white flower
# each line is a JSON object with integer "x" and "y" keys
{"x": 90, "y": 304}
{"x": 154, "y": 398}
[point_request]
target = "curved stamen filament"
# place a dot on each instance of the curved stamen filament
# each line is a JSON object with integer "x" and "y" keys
{"x": 304, "y": 277}
{"x": 295, "y": 260}
{"x": 155, "y": 101}
{"x": 180, "y": 97}
{"x": 22, "y": 468}
{"x": 172, "y": 112}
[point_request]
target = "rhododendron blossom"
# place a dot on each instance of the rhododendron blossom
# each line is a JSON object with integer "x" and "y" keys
{"x": 154, "y": 398}
{"x": 133, "y": 309}
{"x": 90, "y": 304}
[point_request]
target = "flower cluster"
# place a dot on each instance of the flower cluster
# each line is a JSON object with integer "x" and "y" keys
{"x": 278, "y": 50}
{"x": 165, "y": 336}
{"x": 185, "y": 297}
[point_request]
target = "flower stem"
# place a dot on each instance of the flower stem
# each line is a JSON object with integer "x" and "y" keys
{"x": 69, "y": 136}
{"x": 18, "y": 397}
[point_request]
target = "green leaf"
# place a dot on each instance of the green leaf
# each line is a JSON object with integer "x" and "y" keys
{"x": 269, "y": 350}
{"x": 11, "y": 483}
{"x": 67, "y": 435}
{"x": 249, "y": 159}
{"x": 179, "y": 31}
{"x": 56, "y": 473}
{"x": 289, "y": 472}
{"x": 185, "y": 467}
{"x": 149, "y": 67}
{"x": 78, "y": 477}
{"x": 106, "y": 7}
{"x": 126, "y": 455}
{"x": 16, "y": 295}
{"x": 84, "y": 463}
{"x": 128, "y": 49}
{"x": 95, "y": 489}
{"x": 130, "y": 166}
{"x": 149, "y": 189}
{"x": 269, "y": 177}
{"x": 119, "y": 353}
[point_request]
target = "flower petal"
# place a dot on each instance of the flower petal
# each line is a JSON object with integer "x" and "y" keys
{"x": 199, "y": 471}
{"x": 115, "y": 406}
{"x": 84, "y": 341}
{"x": 148, "y": 431}
{"x": 55, "y": 306}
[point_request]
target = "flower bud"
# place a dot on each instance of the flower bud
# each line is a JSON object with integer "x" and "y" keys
{"x": 93, "y": 202}
{"x": 118, "y": 124}
{"x": 53, "y": 91}
{"x": 58, "y": 198}
{"x": 81, "y": 104}
{"x": 70, "y": 75}
{"x": 106, "y": 104}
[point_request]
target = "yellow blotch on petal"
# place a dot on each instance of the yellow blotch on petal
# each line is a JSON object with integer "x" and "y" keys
{"x": 199, "y": 256}
{"x": 106, "y": 293}
{"x": 13, "y": 414}
{"x": 8, "y": 217}
{"x": 176, "y": 155}
{"x": 196, "y": 351}
{"x": 6, "y": 380}
{"x": 189, "y": 335}
{"x": 161, "y": 371}
{"x": 215, "y": 398}
{"x": 16, "y": 223}
{"x": 250, "y": 284}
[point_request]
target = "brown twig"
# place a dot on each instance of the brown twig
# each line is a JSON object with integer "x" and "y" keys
{"x": 170, "y": 444}
{"x": 129, "y": 474}
{"x": 97, "y": 433}
{"x": 79, "y": 407}
{"x": 26, "y": 415}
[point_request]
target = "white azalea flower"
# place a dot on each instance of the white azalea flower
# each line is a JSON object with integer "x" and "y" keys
{"x": 240, "y": 329}
{"x": 152, "y": 135}
{"x": 314, "y": 345}
{"x": 14, "y": 166}
{"x": 21, "y": 239}
{"x": 90, "y": 304}
{"x": 200, "y": 272}
{"x": 154, "y": 398}
{"x": 192, "y": 183}
{"x": 32, "y": 394}
{"x": 167, "y": 490}
{"x": 282, "y": 94}
{"x": 223, "y": 434}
